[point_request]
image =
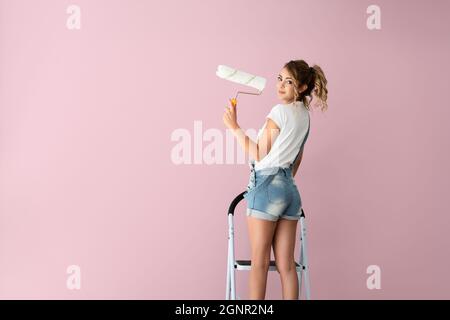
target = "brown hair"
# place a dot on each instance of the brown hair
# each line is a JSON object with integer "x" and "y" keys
{"x": 315, "y": 80}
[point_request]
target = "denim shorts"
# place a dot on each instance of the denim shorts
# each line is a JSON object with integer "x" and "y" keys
{"x": 272, "y": 194}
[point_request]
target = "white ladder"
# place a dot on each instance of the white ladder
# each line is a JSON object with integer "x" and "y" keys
{"x": 245, "y": 265}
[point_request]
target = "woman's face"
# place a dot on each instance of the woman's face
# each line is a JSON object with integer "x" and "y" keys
{"x": 285, "y": 87}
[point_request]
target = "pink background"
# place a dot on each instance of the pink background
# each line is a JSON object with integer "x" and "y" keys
{"x": 86, "y": 118}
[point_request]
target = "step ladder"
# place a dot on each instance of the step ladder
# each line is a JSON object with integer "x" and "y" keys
{"x": 245, "y": 265}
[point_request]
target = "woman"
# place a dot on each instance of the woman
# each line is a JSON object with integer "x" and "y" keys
{"x": 273, "y": 200}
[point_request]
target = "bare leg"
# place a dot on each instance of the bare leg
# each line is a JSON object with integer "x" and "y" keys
{"x": 283, "y": 248}
{"x": 261, "y": 235}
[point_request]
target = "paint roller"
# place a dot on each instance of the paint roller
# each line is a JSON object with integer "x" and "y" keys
{"x": 241, "y": 77}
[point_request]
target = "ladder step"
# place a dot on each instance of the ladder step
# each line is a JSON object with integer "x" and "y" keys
{"x": 246, "y": 265}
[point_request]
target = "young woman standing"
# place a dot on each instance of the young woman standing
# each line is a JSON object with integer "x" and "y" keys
{"x": 273, "y": 200}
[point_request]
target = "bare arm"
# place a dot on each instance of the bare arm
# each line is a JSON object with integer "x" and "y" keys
{"x": 258, "y": 150}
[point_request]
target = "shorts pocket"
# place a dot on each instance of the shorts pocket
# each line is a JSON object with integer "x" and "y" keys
{"x": 277, "y": 190}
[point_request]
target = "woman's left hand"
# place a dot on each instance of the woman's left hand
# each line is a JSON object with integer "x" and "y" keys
{"x": 230, "y": 116}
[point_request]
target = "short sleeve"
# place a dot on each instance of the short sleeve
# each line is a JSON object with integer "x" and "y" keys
{"x": 276, "y": 114}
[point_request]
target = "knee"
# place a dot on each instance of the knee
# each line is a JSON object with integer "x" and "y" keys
{"x": 285, "y": 267}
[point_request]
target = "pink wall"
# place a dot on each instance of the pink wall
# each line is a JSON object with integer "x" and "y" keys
{"x": 86, "y": 118}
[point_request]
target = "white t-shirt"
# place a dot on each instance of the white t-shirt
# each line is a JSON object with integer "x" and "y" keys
{"x": 293, "y": 121}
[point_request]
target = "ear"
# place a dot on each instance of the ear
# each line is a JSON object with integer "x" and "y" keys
{"x": 303, "y": 88}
